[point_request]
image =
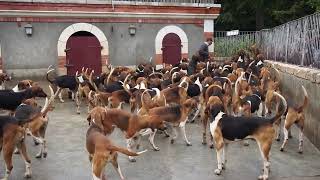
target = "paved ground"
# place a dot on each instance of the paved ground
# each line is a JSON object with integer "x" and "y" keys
{"x": 68, "y": 160}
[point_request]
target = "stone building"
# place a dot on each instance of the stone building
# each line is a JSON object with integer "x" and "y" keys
{"x": 70, "y": 34}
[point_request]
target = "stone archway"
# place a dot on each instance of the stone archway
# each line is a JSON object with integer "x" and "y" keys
{"x": 67, "y": 32}
{"x": 162, "y": 33}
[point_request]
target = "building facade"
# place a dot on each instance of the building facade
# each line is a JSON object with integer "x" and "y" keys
{"x": 92, "y": 33}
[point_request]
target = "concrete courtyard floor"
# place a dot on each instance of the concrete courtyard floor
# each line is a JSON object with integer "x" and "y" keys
{"x": 68, "y": 160}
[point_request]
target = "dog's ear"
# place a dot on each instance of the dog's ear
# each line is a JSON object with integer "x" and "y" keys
{"x": 215, "y": 109}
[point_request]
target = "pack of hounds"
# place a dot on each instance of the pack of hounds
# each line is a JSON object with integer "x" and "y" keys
{"x": 240, "y": 99}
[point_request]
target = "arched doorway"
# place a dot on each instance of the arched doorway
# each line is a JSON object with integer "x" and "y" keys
{"x": 171, "y": 48}
{"x": 83, "y": 50}
{"x": 72, "y": 29}
{"x": 159, "y": 40}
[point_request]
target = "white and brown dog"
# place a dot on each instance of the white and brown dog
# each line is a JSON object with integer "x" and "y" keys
{"x": 101, "y": 151}
{"x": 226, "y": 128}
{"x": 295, "y": 115}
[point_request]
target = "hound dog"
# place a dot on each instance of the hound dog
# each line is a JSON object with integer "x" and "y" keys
{"x": 176, "y": 95}
{"x": 67, "y": 82}
{"x": 226, "y": 128}
{"x": 195, "y": 90}
{"x": 175, "y": 116}
{"x": 3, "y": 78}
{"x": 22, "y": 85}
{"x": 295, "y": 115}
{"x": 101, "y": 151}
{"x": 12, "y": 133}
{"x": 213, "y": 90}
{"x": 11, "y": 100}
{"x": 38, "y": 126}
{"x": 128, "y": 123}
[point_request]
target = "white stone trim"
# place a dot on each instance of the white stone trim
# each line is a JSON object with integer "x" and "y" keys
{"x": 171, "y": 29}
{"x": 88, "y": 14}
{"x": 67, "y": 32}
{"x": 208, "y": 25}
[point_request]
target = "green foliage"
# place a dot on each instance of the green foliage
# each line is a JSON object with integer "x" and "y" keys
{"x": 227, "y": 46}
{"x": 251, "y": 15}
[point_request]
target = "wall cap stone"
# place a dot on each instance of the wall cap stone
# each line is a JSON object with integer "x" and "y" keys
{"x": 310, "y": 74}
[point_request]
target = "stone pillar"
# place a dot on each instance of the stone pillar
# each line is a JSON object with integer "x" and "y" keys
{"x": 208, "y": 26}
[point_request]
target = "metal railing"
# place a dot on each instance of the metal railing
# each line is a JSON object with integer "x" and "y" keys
{"x": 226, "y": 46}
{"x": 296, "y": 42}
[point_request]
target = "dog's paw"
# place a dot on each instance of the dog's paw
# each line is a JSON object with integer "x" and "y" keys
{"x": 156, "y": 148}
{"x": 61, "y": 100}
{"x": 188, "y": 144}
{"x": 211, "y": 146}
{"x": 204, "y": 143}
{"x": 27, "y": 175}
{"x": 132, "y": 160}
{"x": 16, "y": 151}
{"x": 263, "y": 177}
{"x": 38, "y": 156}
{"x": 300, "y": 152}
{"x": 223, "y": 166}
{"x": 45, "y": 154}
{"x": 278, "y": 139}
{"x": 218, "y": 171}
{"x": 281, "y": 149}
{"x": 172, "y": 141}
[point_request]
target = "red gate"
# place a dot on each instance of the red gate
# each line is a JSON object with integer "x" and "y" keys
{"x": 83, "y": 51}
{"x": 171, "y": 49}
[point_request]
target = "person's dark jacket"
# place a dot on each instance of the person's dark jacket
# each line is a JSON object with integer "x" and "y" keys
{"x": 192, "y": 65}
{"x": 204, "y": 51}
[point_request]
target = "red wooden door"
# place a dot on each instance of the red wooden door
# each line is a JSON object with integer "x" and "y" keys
{"x": 171, "y": 48}
{"x": 83, "y": 51}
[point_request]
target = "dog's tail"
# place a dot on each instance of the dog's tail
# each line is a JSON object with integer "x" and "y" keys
{"x": 237, "y": 82}
{"x": 281, "y": 110}
{"x": 184, "y": 81}
{"x": 305, "y": 101}
{"x": 47, "y": 75}
{"x": 126, "y": 87}
{"x": 125, "y": 151}
{"x": 109, "y": 76}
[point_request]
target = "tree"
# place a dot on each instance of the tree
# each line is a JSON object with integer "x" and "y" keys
{"x": 252, "y": 15}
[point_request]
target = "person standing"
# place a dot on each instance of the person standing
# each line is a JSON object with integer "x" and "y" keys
{"x": 204, "y": 50}
{"x": 202, "y": 55}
